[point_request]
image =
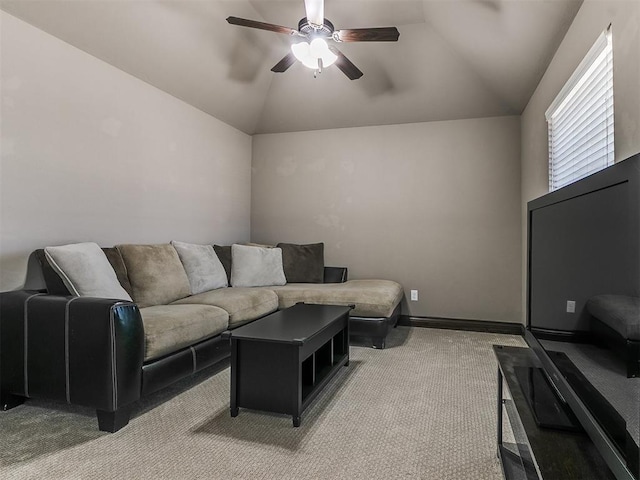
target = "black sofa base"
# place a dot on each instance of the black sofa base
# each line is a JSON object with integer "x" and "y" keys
{"x": 162, "y": 372}
{"x": 9, "y": 401}
{"x": 113, "y": 421}
{"x": 86, "y": 351}
{"x": 374, "y": 328}
{"x": 155, "y": 376}
{"x": 167, "y": 370}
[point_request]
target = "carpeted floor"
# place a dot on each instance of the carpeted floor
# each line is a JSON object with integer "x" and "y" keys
{"x": 422, "y": 408}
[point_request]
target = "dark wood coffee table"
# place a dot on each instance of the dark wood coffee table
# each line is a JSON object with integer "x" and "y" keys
{"x": 281, "y": 362}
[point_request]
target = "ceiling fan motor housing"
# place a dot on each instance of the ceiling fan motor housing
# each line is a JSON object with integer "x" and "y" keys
{"x": 312, "y": 31}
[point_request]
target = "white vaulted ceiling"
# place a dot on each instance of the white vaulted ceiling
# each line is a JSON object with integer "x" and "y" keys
{"x": 454, "y": 59}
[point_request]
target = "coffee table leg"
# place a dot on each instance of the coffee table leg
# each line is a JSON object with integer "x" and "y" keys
{"x": 234, "y": 378}
{"x": 296, "y": 421}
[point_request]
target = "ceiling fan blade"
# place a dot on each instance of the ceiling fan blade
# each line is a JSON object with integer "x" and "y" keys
{"x": 315, "y": 11}
{"x": 345, "y": 65}
{"x": 243, "y": 22}
{"x": 378, "y": 34}
{"x": 282, "y": 66}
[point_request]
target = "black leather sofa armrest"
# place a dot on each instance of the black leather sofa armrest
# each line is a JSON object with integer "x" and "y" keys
{"x": 335, "y": 274}
{"x": 82, "y": 350}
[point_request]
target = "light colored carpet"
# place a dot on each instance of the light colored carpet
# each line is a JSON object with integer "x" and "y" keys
{"x": 425, "y": 408}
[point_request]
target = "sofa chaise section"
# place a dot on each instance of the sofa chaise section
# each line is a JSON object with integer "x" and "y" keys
{"x": 377, "y": 303}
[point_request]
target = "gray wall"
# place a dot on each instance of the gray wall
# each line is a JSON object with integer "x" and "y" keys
{"x": 592, "y": 19}
{"x": 434, "y": 206}
{"x": 90, "y": 153}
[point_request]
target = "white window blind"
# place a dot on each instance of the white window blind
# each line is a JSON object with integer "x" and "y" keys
{"x": 580, "y": 119}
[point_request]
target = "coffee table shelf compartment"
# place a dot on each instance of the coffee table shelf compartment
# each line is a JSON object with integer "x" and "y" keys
{"x": 281, "y": 362}
{"x": 322, "y": 364}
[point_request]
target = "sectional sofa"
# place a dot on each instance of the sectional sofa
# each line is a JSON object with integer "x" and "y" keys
{"x": 162, "y": 312}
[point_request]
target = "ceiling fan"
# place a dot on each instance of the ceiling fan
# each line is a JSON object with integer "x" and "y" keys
{"x": 313, "y": 33}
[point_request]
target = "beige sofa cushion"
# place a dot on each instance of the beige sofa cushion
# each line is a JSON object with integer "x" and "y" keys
{"x": 242, "y": 304}
{"x": 372, "y": 298}
{"x": 156, "y": 274}
{"x": 168, "y": 328}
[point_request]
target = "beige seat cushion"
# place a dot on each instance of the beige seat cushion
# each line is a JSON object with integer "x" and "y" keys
{"x": 242, "y": 304}
{"x": 168, "y": 328}
{"x": 372, "y": 298}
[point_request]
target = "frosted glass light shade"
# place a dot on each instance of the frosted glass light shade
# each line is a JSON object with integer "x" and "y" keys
{"x": 309, "y": 54}
{"x": 301, "y": 52}
{"x": 319, "y": 49}
{"x": 329, "y": 58}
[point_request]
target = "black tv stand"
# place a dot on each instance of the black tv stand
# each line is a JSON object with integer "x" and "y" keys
{"x": 528, "y": 450}
{"x": 548, "y": 407}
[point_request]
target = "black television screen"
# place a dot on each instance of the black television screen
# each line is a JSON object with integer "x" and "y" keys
{"x": 584, "y": 241}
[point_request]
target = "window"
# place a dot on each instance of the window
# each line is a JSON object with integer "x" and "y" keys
{"x": 580, "y": 119}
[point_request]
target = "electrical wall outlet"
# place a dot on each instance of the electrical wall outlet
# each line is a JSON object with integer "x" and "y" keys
{"x": 414, "y": 295}
{"x": 571, "y": 306}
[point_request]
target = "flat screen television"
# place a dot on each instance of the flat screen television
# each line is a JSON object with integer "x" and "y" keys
{"x": 583, "y": 241}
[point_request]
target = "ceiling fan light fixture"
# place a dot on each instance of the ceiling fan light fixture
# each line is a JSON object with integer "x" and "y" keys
{"x": 318, "y": 48}
{"x": 309, "y": 54}
{"x": 328, "y": 58}
{"x": 301, "y": 52}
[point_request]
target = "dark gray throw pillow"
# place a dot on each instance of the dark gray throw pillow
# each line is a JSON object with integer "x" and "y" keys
{"x": 224, "y": 255}
{"x": 303, "y": 263}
